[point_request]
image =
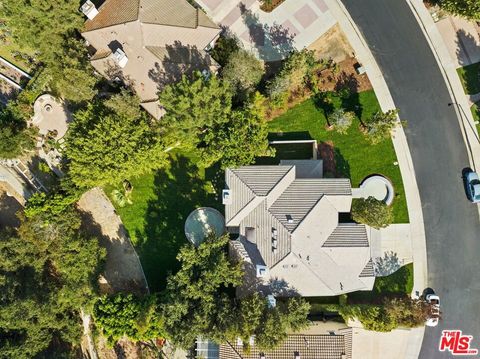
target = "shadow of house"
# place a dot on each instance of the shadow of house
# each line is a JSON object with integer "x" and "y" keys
{"x": 177, "y": 60}
{"x": 334, "y": 164}
{"x": 178, "y": 191}
{"x": 272, "y": 42}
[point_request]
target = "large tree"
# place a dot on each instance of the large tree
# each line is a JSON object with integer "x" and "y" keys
{"x": 199, "y": 114}
{"x": 240, "y": 140}
{"x": 15, "y": 136}
{"x": 197, "y": 289}
{"x": 48, "y": 272}
{"x": 127, "y": 315}
{"x": 243, "y": 72}
{"x": 112, "y": 141}
{"x": 198, "y": 302}
{"x": 195, "y": 106}
{"x": 51, "y": 28}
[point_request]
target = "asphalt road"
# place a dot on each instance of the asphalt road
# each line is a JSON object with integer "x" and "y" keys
{"x": 439, "y": 154}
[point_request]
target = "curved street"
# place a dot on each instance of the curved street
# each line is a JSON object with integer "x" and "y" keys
{"x": 439, "y": 154}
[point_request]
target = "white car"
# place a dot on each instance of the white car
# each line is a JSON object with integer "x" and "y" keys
{"x": 434, "y": 301}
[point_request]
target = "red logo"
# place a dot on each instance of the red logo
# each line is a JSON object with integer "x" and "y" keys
{"x": 456, "y": 343}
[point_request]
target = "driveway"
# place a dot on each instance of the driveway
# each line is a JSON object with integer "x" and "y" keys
{"x": 292, "y": 25}
{"x": 439, "y": 154}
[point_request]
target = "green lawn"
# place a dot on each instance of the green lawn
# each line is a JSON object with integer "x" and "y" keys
{"x": 470, "y": 77}
{"x": 161, "y": 203}
{"x": 476, "y": 114}
{"x": 399, "y": 283}
{"x": 353, "y": 156}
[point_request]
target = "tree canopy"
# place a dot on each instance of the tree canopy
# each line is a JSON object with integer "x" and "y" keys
{"x": 112, "y": 141}
{"x": 380, "y": 125}
{"x": 243, "y": 72}
{"x": 120, "y": 315}
{"x": 469, "y": 9}
{"x": 198, "y": 302}
{"x": 47, "y": 274}
{"x": 372, "y": 212}
{"x": 15, "y": 137}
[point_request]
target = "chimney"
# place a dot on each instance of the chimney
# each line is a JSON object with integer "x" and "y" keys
{"x": 89, "y": 9}
{"x": 120, "y": 57}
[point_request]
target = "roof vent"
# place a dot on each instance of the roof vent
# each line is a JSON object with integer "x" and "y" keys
{"x": 296, "y": 355}
{"x": 262, "y": 356}
{"x": 89, "y": 10}
{"x": 262, "y": 271}
{"x": 272, "y": 302}
{"x": 274, "y": 243}
{"x": 226, "y": 197}
{"x": 120, "y": 57}
{"x": 289, "y": 218}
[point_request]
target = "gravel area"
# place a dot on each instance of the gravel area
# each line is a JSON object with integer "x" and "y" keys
{"x": 123, "y": 271}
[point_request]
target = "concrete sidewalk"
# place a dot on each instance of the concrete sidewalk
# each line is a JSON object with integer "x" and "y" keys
{"x": 461, "y": 38}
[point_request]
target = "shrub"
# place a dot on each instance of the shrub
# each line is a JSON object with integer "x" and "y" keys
{"x": 372, "y": 212}
{"x": 341, "y": 120}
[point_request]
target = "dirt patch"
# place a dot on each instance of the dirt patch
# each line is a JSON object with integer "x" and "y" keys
{"x": 327, "y": 154}
{"x": 332, "y": 45}
{"x": 9, "y": 206}
{"x": 123, "y": 271}
{"x": 339, "y": 77}
{"x": 269, "y": 6}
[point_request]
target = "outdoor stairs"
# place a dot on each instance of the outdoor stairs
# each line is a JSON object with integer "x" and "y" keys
{"x": 24, "y": 171}
{"x": 240, "y": 250}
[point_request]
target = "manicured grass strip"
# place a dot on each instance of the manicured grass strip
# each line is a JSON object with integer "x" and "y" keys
{"x": 470, "y": 77}
{"x": 161, "y": 203}
{"x": 476, "y": 114}
{"x": 355, "y": 157}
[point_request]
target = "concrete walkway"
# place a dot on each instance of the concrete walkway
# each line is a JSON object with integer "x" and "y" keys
{"x": 417, "y": 230}
{"x": 461, "y": 38}
{"x": 292, "y": 25}
{"x": 15, "y": 182}
{"x": 472, "y": 99}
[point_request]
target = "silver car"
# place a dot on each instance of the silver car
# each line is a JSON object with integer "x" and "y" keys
{"x": 472, "y": 186}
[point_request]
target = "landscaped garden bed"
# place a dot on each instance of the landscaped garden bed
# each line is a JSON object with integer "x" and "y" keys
{"x": 349, "y": 155}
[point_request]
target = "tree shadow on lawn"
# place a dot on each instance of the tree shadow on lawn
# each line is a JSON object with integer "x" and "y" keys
{"x": 178, "y": 191}
{"x": 334, "y": 164}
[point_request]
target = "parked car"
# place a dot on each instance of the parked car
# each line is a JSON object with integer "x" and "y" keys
{"x": 472, "y": 186}
{"x": 434, "y": 301}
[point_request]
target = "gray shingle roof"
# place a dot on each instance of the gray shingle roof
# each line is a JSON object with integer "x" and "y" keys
{"x": 348, "y": 235}
{"x": 369, "y": 270}
{"x": 261, "y": 179}
{"x": 295, "y": 203}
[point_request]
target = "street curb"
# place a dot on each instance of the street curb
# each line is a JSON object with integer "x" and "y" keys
{"x": 449, "y": 73}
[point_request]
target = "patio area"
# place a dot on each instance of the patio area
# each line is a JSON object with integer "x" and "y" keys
{"x": 292, "y": 25}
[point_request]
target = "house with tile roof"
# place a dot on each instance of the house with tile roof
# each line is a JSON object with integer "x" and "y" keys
{"x": 290, "y": 236}
{"x": 147, "y": 44}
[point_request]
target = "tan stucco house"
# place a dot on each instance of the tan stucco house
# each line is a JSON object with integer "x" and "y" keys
{"x": 289, "y": 234}
{"x": 148, "y": 43}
